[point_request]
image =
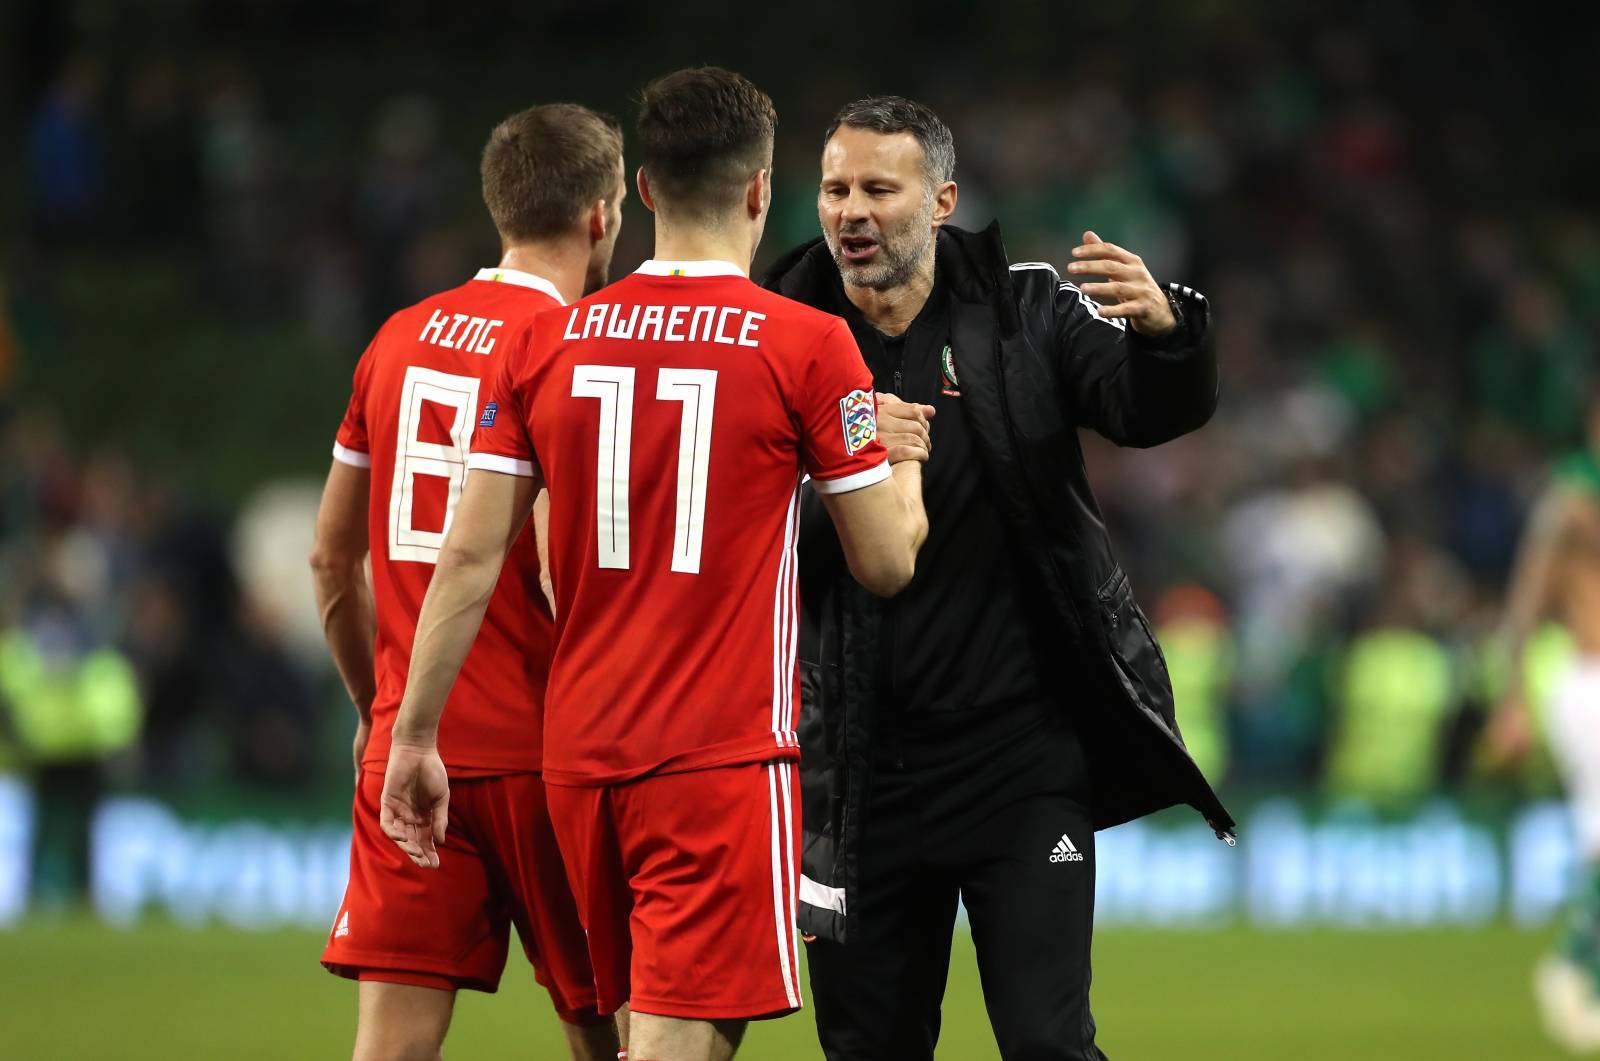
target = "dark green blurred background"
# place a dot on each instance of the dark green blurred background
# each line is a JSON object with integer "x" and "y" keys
{"x": 206, "y": 208}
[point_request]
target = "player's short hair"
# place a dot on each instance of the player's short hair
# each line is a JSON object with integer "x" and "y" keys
{"x": 896, "y": 114}
{"x": 702, "y": 133}
{"x": 543, "y": 167}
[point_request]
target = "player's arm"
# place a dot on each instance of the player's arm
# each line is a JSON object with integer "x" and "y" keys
{"x": 881, "y": 527}
{"x": 344, "y": 597}
{"x": 492, "y": 510}
{"x": 864, "y": 452}
{"x": 1528, "y": 600}
{"x": 1127, "y": 369}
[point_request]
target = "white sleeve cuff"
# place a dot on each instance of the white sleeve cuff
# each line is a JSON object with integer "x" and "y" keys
{"x": 353, "y": 457}
{"x": 494, "y": 462}
{"x": 854, "y": 481}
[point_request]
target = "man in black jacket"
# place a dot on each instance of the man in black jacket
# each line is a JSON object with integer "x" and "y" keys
{"x": 964, "y": 740}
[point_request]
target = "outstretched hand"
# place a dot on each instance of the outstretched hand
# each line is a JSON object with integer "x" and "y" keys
{"x": 1129, "y": 291}
{"x": 414, "y": 808}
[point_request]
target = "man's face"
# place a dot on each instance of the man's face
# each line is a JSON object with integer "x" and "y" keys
{"x": 599, "y": 273}
{"x": 876, "y": 211}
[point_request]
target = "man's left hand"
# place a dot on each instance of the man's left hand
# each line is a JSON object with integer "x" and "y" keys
{"x": 1129, "y": 290}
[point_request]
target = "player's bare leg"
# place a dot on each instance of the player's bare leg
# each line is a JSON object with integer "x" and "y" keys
{"x": 401, "y": 1022}
{"x": 593, "y": 1042}
{"x": 1557, "y": 576}
{"x": 1567, "y": 981}
{"x": 653, "y": 1038}
{"x": 622, "y": 1030}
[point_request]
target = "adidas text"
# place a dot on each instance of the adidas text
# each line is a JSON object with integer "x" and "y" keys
{"x": 1065, "y": 851}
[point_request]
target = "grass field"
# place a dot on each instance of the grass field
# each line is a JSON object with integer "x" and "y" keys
{"x": 78, "y": 991}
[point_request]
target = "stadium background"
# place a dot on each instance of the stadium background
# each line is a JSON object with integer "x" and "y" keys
{"x": 205, "y": 209}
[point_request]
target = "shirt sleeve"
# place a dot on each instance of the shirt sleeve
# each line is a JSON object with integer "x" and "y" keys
{"x": 500, "y": 442}
{"x": 350, "y": 443}
{"x": 838, "y": 417}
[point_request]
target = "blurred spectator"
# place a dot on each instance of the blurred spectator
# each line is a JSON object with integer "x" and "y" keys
{"x": 239, "y": 168}
{"x": 66, "y": 156}
{"x": 1532, "y": 369}
{"x": 158, "y": 172}
{"x": 72, "y": 702}
{"x": 275, "y": 712}
{"x": 1192, "y": 627}
{"x": 1397, "y": 684}
{"x": 1394, "y": 692}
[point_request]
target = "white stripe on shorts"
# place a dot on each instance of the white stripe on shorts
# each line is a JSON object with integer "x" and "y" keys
{"x": 780, "y": 912}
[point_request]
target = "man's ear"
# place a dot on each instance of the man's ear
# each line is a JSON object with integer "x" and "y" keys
{"x": 645, "y": 197}
{"x": 597, "y": 220}
{"x": 758, "y": 192}
{"x": 944, "y": 203}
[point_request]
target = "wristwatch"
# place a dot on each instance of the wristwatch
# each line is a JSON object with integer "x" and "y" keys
{"x": 1178, "y": 316}
{"x": 1191, "y": 314}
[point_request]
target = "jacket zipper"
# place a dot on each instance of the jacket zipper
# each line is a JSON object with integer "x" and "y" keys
{"x": 891, "y": 608}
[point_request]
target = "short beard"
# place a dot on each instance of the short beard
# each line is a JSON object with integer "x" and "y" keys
{"x": 598, "y": 276}
{"x": 901, "y": 252}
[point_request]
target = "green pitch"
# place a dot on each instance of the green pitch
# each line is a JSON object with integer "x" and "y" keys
{"x": 76, "y": 990}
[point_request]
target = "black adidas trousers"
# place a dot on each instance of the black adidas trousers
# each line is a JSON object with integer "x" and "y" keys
{"x": 991, "y": 813}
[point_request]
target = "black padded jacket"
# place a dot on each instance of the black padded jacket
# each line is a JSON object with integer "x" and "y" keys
{"x": 1036, "y": 362}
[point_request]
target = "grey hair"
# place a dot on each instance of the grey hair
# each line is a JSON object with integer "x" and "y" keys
{"x": 896, "y": 114}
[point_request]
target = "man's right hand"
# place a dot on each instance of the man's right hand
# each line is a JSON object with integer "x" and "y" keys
{"x": 414, "y": 808}
{"x": 903, "y": 428}
{"x": 358, "y": 747}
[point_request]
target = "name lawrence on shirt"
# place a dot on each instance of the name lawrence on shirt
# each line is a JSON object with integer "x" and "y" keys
{"x": 728, "y": 325}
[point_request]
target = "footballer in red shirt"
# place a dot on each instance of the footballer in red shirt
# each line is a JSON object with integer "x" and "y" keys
{"x": 411, "y": 936}
{"x": 672, "y": 417}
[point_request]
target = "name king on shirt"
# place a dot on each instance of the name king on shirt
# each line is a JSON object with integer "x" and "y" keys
{"x": 475, "y": 338}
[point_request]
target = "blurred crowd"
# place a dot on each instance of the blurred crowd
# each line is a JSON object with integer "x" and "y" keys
{"x": 1407, "y": 346}
{"x": 127, "y": 633}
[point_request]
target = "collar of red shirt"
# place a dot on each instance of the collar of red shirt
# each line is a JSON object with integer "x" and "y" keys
{"x": 522, "y": 279}
{"x": 709, "y": 267}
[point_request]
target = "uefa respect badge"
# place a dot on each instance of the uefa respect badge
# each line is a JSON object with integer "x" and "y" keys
{"x": 859, "y": 413}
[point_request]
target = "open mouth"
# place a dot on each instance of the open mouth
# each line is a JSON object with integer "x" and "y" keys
{"x": 858, "y": 248}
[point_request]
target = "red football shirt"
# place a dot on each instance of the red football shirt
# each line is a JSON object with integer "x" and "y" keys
{"x": 412, "y": 413}
{"x": 672, "y": 416}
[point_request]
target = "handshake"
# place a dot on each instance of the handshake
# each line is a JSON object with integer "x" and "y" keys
{"x": 903, "y": 428}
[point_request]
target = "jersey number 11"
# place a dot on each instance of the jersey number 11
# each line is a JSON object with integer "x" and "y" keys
{"x": 696, "y": 388}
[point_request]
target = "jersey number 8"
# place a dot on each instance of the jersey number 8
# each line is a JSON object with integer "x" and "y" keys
{"x": 414, "y": 457}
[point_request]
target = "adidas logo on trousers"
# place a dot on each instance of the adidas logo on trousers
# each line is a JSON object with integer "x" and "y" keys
{"x": 1065, "y": 851}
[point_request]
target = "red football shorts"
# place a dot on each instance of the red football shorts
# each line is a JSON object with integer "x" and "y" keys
{"x": 448, "y": 927}
{"x": 687, "y": 886}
